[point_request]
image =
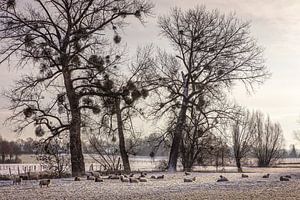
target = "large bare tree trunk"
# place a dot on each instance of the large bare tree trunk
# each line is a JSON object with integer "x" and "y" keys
{"x": 238, "y": 164}
{"x": 77, "y": 160}
{"x": 173, "y": 157}
{"x": 122, "y": 146}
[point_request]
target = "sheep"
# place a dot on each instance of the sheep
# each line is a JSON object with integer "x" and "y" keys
{"x": 245, "y": 176}
{"x": 131, "y": 175}
{"x": 266, "y": 176}
{"x": 90, "y": 178}
{"x": 153, "y": 177}
{"x": 17, "y": 181}
{"x": 161, "y": 177}
{"x": 124, "y": 179}
{"x": 113, "y": 176}
{"x": 284, "y": 178}
{"x": 98, "y": 180}
{"x": 133, "y": 180}
{"x": 288, "y": 176}
{"x": 187, "y": 173}
{"x": 44, "y": 182}
{"x": 186, "y": 180}
{"x": 143, "y": 174}
{"x": 76, "y": 178}
{"x": 222, "y": 179}
{"x": 142, "y": 179}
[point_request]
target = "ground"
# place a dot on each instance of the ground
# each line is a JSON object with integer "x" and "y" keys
{"x": 172, "y": 187}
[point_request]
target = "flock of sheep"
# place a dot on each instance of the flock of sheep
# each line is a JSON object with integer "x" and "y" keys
{"x": 132, "y": 178}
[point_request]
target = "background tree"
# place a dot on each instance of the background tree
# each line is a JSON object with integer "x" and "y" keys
{"x": 54, "y": 156}
{"x": 219, "y": 151}
{"x": 211, "y": 52}
{"x": 4, "y": 149}
{"x": 64, "y": 40}
{"x": 202, "y": 125}
{"x": 293, "y": 152}
{"x": 9, "y": 149}
{"x": 268, "y": 140}
{"x": 104, "y": 150}
{"x": 243, "y": 137}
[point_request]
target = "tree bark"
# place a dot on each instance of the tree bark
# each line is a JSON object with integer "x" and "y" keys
{"x": 122, "y": 146}
{"x": 238, "y": 164}
{"x": 173, "y": 157}
{"x": 77, "y": 160}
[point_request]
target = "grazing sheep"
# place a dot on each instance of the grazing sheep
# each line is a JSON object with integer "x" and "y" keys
{"x": 283, "y": 178}
{"x": 98, "y": 179}
{"x": 187, "y": 173}
{"x": 288, "y": 176}
{"x": 124, "y": 179}
{"x": 153, "y": 177}
{"x": 222, "y": 179}
{"x": 142, "y": 179}
{"x": 17, "y": 181}
{"x": 77, "y": 178}
{"x": 161, "y": 177}
{"x": 187, "y": 180}
{"x": 133, "y": 180}
{"x": 143, "y": 174}
{"x": 131, "y": 175}
{"x": 44, "y": 182}
{"x": 245, "y": 176}
{"x": 90, "y": 178}
{"x": 266, "y": 176}
{"x": 114, "y": 176}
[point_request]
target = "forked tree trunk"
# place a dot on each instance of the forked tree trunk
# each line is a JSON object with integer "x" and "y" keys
{"x": 122, "y": 147}
{"x": 77, "y": 160}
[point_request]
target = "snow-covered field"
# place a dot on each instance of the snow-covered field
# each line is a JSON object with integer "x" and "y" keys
{"x": 172, "y": 187}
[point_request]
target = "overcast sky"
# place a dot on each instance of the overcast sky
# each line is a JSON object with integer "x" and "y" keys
{"x": 276, "y": 26}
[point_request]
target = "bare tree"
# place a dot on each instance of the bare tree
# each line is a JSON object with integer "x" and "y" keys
{"x": 4, "y": 149}
{"x": 219, "y": 151}
{"x": 104, "y": 150}
{"x": 201, "y": 126}
{"x": 243, "y": 136}
{"x": 268, "y": 140}
{"x": 211, "y": 52}
{"x": 54, "y": 156}
{"x": 127, "y": 87}
{"x": 293, "y": 152}
{"x": 66, "y": 40}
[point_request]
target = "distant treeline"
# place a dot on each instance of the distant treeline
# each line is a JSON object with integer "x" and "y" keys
{"x": 10, "y": 150}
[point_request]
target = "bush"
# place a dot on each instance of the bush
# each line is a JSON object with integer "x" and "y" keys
{"x": 162, "y": 165}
